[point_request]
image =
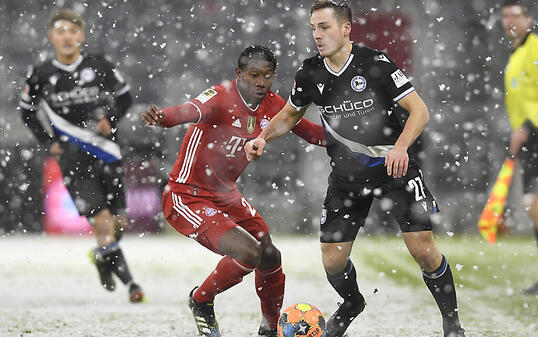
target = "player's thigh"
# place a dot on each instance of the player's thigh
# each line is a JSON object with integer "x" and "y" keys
{"x": 410, "y": 202}
{"x": 197, "y": 218}
{"x": 342, "y": 216}
{"x": 245, "y": 215}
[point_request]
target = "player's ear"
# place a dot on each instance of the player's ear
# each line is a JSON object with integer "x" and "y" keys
{"x": 238, "y": 72}
{"x": 347, "y": 28}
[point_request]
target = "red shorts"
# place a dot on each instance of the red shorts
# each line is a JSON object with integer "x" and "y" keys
{"x": 205, "y": 217}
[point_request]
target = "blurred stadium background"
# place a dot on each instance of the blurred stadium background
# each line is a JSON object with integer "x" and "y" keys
{"x": 171, "y": 50}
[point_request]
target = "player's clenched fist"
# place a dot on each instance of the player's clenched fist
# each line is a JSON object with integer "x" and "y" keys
{"x": 254, "y": 148}
{"x": 153, "y": 116}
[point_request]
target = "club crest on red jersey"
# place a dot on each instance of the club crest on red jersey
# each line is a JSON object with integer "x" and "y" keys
{"x": 210, "y": 211}
{"x": 251, "y": 124}
{"x": 263, "y": 123}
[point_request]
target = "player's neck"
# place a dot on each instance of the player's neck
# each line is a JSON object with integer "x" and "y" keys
{"x": 249, "y": 103}
{"x": 339, "y": 59}
{"x": 67, "y": 59}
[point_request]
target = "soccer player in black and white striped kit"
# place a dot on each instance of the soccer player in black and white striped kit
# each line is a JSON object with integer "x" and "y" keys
{"x": 84, "y": 96}
{"x": 355, "y": 89}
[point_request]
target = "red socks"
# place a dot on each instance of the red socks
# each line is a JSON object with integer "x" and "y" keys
{"x": 270, "y": 290}
{"x": 228, "y": 273}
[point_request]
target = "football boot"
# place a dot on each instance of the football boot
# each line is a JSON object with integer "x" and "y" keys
{"x": 204, "y": 317}
{"x": 342, "y": 318}
{"x": 136, "y": 295}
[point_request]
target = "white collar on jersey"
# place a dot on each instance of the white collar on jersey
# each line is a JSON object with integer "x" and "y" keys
{"x": 338, "y": 73}
{"x": 247, "y": 105}
{"x": 67, "y": 67}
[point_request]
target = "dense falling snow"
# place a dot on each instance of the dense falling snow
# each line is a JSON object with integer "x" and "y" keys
{"x": 169, "y": 52}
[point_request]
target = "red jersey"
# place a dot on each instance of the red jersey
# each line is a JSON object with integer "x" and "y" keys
{"x": 211, "y": 155}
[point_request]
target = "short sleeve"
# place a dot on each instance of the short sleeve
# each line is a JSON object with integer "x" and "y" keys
{"x": 394, "y": 80}
{"x": 300, "y": 96}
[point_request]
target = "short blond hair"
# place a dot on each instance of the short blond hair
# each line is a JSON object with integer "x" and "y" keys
{"x": 67, "y": 15}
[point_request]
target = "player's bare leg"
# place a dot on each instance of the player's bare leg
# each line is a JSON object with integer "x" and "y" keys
{"x": 120, "y": 225}
{"x": 108, "y": 257}
{"x": 530, "y": 202}
{"x": 342, "y": 276}
{"x": 269, "y": 282}
{"x": 437, "y": 275}
{"x": 242, "y": 254}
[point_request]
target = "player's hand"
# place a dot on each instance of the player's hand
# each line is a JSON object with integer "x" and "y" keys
{"x": 104, "y": 127}
{"x": 397, "y": 161}
{"x": 254, "y": 148}
{"x": 55, "y": 149}
{"x": 519, "y": 137}
{"x": 153, "y": 116}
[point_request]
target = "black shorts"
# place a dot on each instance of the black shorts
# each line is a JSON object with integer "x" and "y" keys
{"x": 93, "y": 184}
{"x": 348, "y": 202}
{"x": 528, "y": 158}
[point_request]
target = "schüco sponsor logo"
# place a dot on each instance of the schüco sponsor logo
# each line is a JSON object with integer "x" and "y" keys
{"x": 347, "y": 106}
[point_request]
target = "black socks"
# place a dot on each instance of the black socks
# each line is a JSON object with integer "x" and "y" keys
{"x": 346, "y": 285}
{"x": 113, "y": 256}
{"x": 441, "y": 284}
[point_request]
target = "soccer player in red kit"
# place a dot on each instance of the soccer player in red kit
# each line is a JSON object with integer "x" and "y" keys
{"x": 201, "y": 200}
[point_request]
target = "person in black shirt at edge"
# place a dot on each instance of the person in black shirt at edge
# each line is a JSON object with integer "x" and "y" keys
{"x": 84, "y": 96}
{"x": 355, "y": 89}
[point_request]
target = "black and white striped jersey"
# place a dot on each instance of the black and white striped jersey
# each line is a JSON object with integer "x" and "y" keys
{"x": 356, "y": 105}
{"x": 74, "y": 97}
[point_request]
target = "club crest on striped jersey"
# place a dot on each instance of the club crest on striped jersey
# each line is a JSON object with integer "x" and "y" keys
{"x": 210, "y": 211}
{"x": 251, "y": 124}
{"x": 207, "y": 95}
{"x": 263, "y": 123}
{"x": 358, "y": 83}
{"x": 87, "y": 75}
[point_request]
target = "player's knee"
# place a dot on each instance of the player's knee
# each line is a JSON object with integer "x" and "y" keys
{"x": 528, "y": 201}
{"x": 334, "y": 261}
{"x": 252, "y": 254}
{"x": 271, "y": 256}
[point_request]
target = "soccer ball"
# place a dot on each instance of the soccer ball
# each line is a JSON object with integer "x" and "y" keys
{"x": 303, "y": 320}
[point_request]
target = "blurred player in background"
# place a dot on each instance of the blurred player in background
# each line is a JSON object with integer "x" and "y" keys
{"x": 84, "y": 96}
{"x": 355, "y": 89}
{"x": 201, "y": 200}
{"x": 521, "y": 98}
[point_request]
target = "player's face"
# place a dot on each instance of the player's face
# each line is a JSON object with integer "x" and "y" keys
{"x": 515, "y": 22}
{"x": 330, "y": 35}
{"x": 66, "y": 37}
{"x": 255, "y": 80}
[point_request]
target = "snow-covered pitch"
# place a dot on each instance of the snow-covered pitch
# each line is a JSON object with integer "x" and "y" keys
{"x": 49, "y": 288}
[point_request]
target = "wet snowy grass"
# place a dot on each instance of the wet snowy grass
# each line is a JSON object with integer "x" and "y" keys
{"x": 49, "y": 288}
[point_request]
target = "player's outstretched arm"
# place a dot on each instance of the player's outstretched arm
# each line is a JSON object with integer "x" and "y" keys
{"x": 283, "y": 122}
{"x": 171, "y": 116}
{"x": 397, "y": 159}
{"x": 309, "y": 131}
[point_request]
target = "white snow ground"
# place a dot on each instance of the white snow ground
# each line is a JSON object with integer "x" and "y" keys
{"x": 49, "y": 288}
